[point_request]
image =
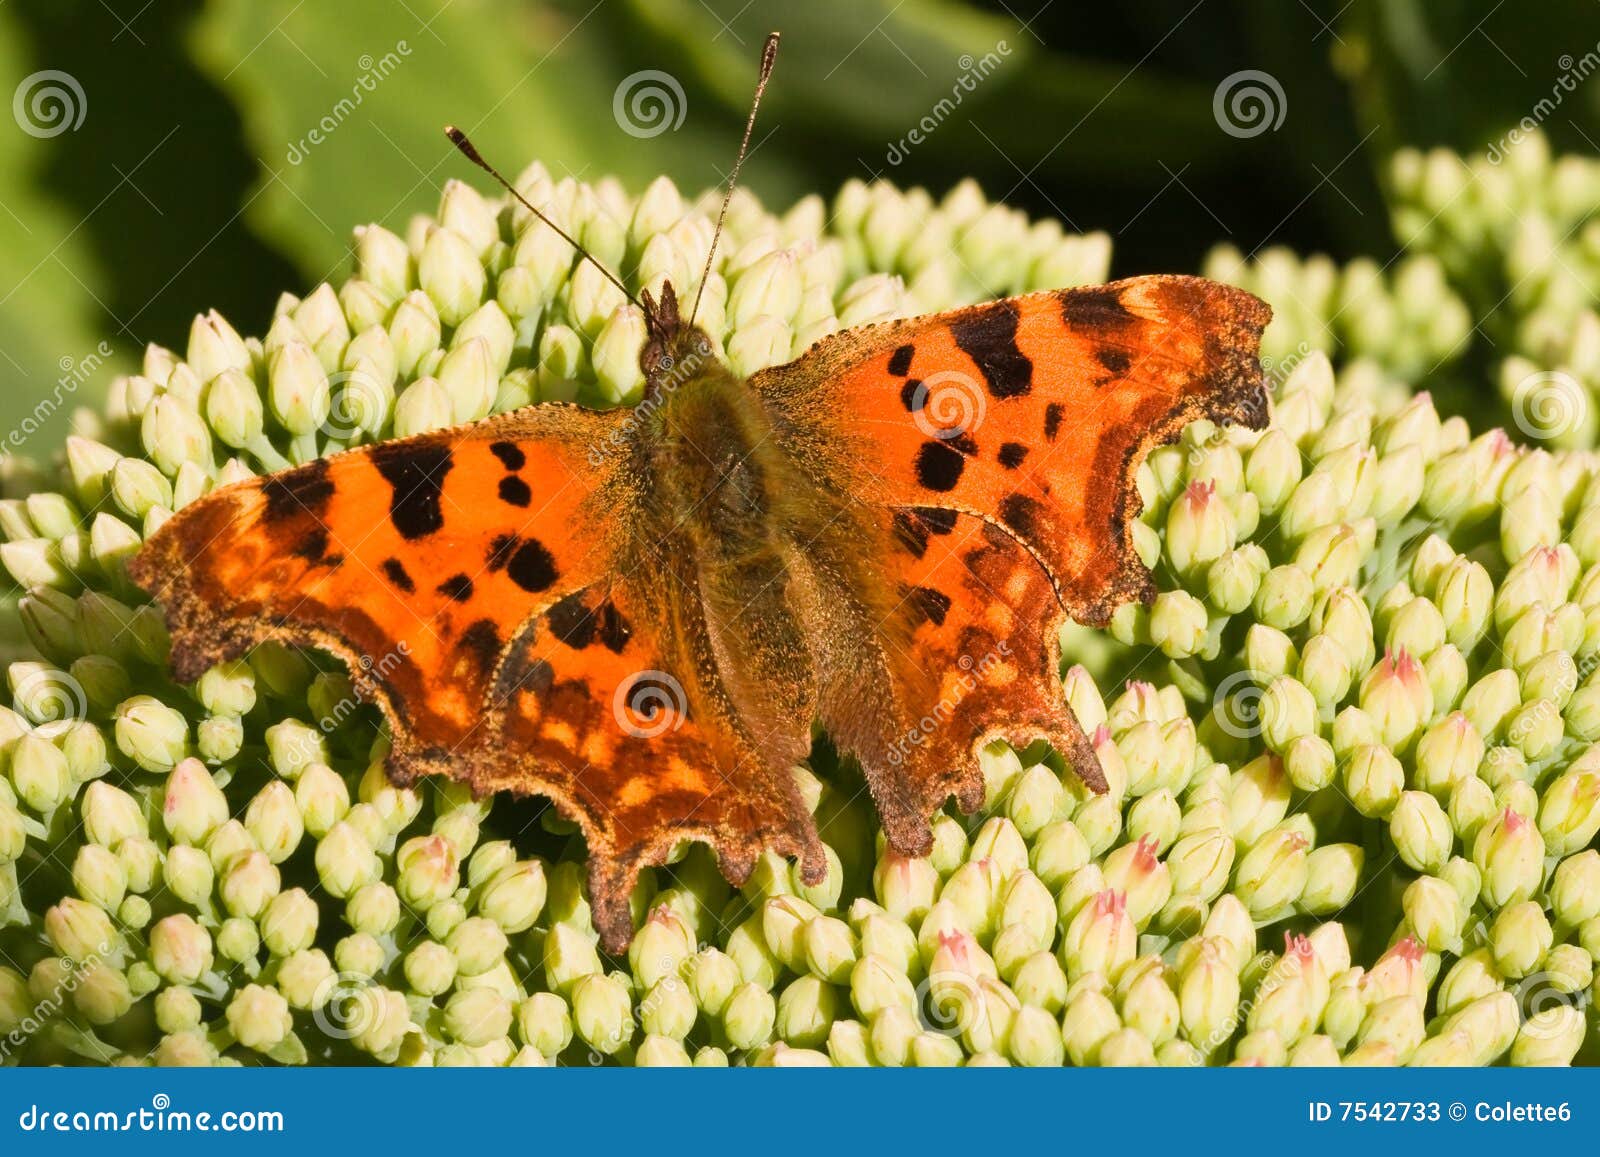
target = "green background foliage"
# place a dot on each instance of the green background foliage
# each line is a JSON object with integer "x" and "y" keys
{"x": 180, "y": 190}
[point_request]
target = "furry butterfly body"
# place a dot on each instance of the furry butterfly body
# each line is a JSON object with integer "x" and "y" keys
{"x": 639, "y": 613}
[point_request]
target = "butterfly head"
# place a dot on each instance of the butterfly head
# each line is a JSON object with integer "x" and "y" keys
{"x": 674, "y": 349}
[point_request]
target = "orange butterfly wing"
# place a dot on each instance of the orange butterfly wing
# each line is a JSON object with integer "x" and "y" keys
{"x": 1001, "y": 442}
{"x": 1035, "y": 412}
{"x": 469, "y": 581}
{"x": 414, "y": 561}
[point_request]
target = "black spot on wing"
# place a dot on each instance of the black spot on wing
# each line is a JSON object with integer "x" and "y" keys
{"x": 571, "y": 621}
{"x": 1012, "y": 454}
{"x": 514, "y": 491}
{"x": 532, "y": 567}
{"x": 510, "y": 454}
{"x": 395, "y": 571}
{"x": 302, "y": 490}
{"x": 501, "y": 550}
{"x": 1021, "y": 513}
{"x": 415, "y": 473}
{"x": 1117, "y": 361}
{"x": 914, "y": 524}
{"x": 1052, "y": 421}
{"x": 912, "y": 396}
{"x": 910, "y": 533}
{"x": 1094, "y": 307}
{"x": 988, "y": 335}
{"x": 611, "y": 628}
{"x": 313, "y": 545}
{"x": 939, "y": 466}
{"x": 900, "y": 361}
{"x": 457, "y": 588}
{"x": 481, "y": 643}
{"x": 931, "y": 605}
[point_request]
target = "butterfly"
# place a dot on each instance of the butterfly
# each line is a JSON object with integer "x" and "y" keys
{"x": 640, "y": 613}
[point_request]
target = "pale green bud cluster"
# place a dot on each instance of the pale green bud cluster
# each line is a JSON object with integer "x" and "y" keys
{"x": 1353, "y": 802}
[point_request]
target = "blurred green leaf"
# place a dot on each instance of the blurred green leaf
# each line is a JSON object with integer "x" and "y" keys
{"x": 376, "y": 81}
{"x": 49, "y": 278}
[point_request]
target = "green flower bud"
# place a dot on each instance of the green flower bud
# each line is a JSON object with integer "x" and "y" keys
{"x": 193, "y": 805}
{"x": 876, "y": 985}
{"x": 258, "y": 1017}
{"x": 238, "y": 940}
{"x": 477, "y": 1016}
{"x": 805, "y": 1011}
{"x": 288, "y": 922}
{"x": 1200, "y": 528}
{"x": 429, "y": 870}
{"x": 150, "y": 733}
{"x": 478, "y": 945}
{"x": 1374, "y": 781}
{"x": 1569, "y": 813}
{"x": 1258, "y": 798}
{"x": 1233, "y": 579}
{"x": 1089, "y": 1021}
{"x": 515, "y": 896}
{"x": 141, "y": 860}
{"x": 1100, "y": 937}
{"x": 1333, "y": 874}
{"x": 98, "y": 877}
{"x": 293, "y": 746}
{"x": 173, "y": 434}
{"x": 1421, "y": 831}
{"x": 1273, "y": 873}
{"x": 384, "y": 1021}
{"x": 747, "y": 1018}
{"x": 1288, "y": 711}
{"x": 177, "y": 1010}
{"x": 1549, "y": 1037}
{"x": 1519, "y": 938}
{"x": 322, "y": 797}
{"x": 189, "y": 875}
{"x": 373, "y": 909}
{"x": 1273, "y": 470}
{"x": 905, "y": 886}
{"x": 345, "y": 861}
{"x": 569, "y": 955}
{"x": 1574, "y": 891}
{"x": 747, "y": 947}
{"x": 180, "y": 949}
{"x": 1509, "y": 851}
{"x": 40, "y": 774}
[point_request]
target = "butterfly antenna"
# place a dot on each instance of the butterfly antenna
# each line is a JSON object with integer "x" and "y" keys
{"x": 768, "y": 54}
{"x": 468, "y": 150}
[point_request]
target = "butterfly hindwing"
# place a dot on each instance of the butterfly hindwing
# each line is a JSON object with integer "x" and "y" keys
{"x": 1034, "y": 412}
{"x": 610, "y": 719}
